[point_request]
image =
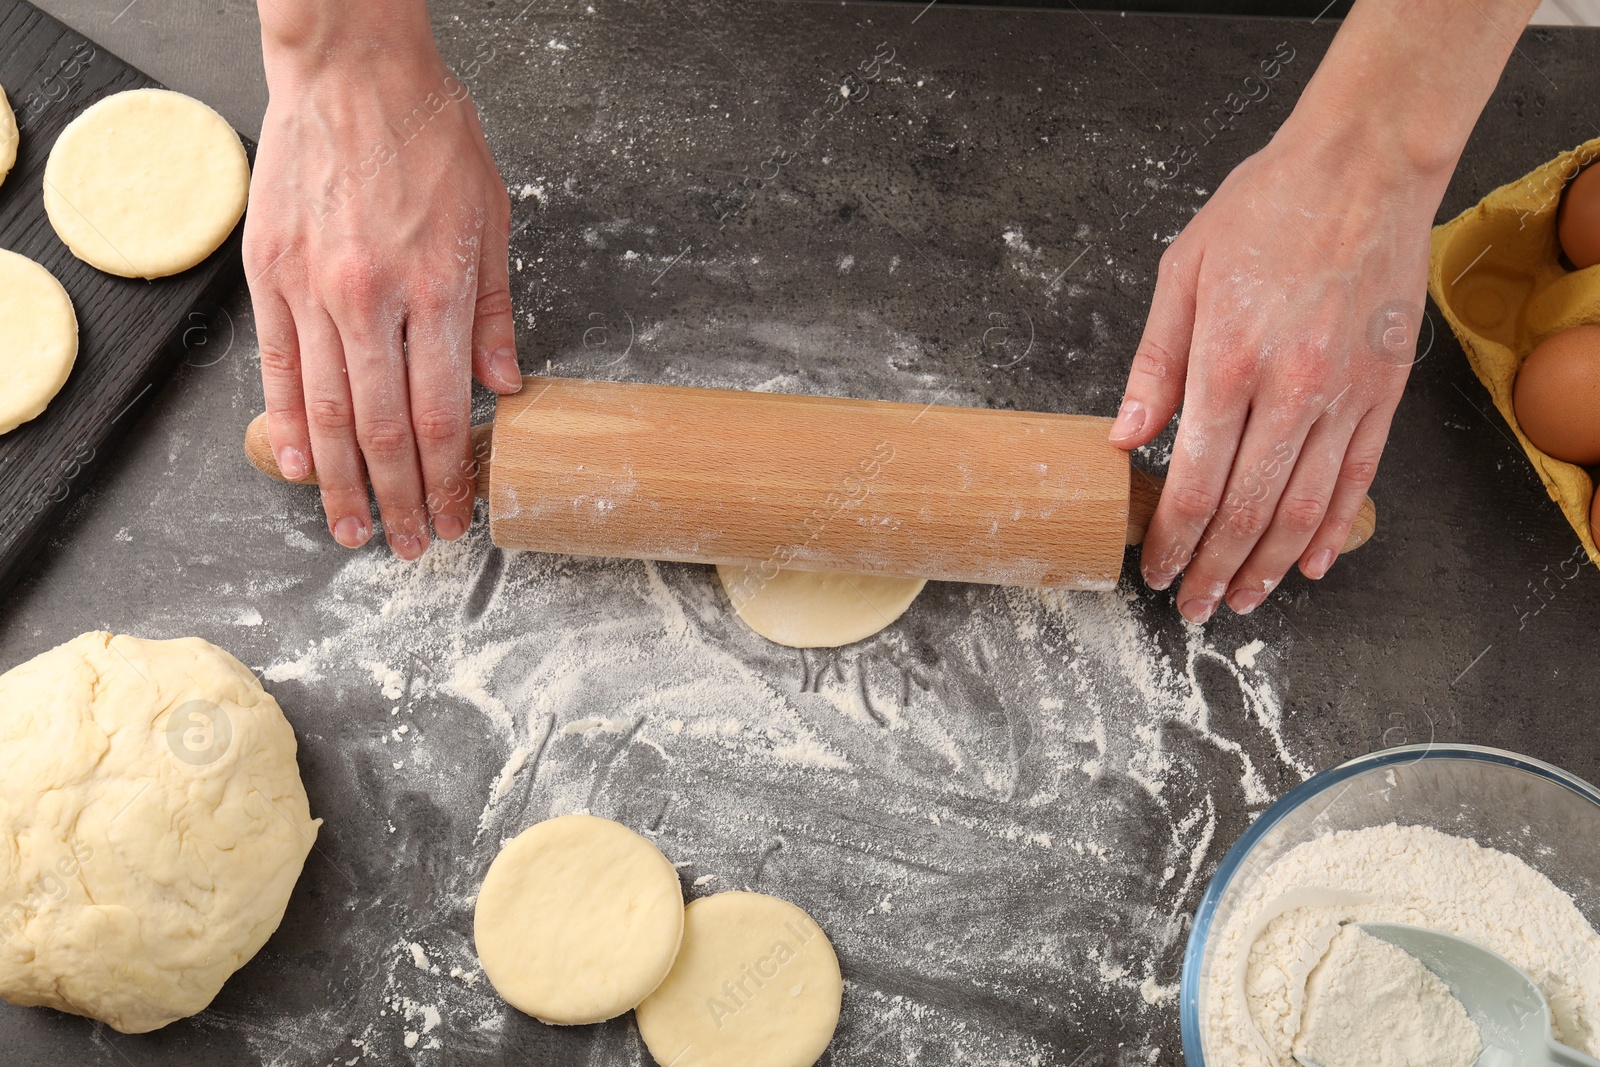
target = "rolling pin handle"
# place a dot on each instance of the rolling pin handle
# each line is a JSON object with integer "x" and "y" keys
{"x": 258, "y": 449}
{"x": 1144, "y": 493}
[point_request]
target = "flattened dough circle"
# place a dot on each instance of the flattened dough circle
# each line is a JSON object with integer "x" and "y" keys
{"x": 152, "y": 826}
{"x": 578, "y": 920}
{"x": 817, "y": 609}
{"x": 38, "y": 339}
{"x": 146, "y": 183}
{"x": 756, "y": 985}
{"x": 9, "y": 138}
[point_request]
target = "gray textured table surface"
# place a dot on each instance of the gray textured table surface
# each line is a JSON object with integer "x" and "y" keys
{"x": 1005, "y": 808}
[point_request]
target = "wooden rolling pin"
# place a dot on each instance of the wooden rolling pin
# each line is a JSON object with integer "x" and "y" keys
{"x": 809, "y": 483}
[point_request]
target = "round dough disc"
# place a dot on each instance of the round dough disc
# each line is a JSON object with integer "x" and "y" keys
{"x": 578, "y": 920}
{"x": 146, "y": 183}
{"x": 756, "y": 985}
{"x": 9, "y": 139}
{"x": 817, "y": 609}
{"x": 152, "y": 826}
{"x": 38, "y": 339}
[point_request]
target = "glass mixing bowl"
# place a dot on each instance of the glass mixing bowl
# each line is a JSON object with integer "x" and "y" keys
{"x": 1538, "y": 813}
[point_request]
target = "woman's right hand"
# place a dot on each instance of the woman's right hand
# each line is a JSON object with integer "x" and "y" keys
{"x": 1286, "y": 313}
{"x": 1284, "y": 324}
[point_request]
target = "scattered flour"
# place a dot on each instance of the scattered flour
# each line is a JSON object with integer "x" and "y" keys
{"x": 1059, "y": 737}
{"x": 419, "y": 958}
{"x": 587, "y": 726}
{"x": 1282, "y": 926}
{"x": 298, "y": 670}
{"x": 391, "y": 683}
{"x": 298, "y": 539}
{"x": 1155, "y": 993}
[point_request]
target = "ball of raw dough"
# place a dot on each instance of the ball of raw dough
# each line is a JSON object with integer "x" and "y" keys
{"x": 816, "y": 609}
{"x": 756, "y": 984}
{"x": 146, "y": 183}
{"x": 578, "y": 919}
{"x": 38, "y": 339}
{"x": 9, "y": 139}
{"x": 152, "y": 826}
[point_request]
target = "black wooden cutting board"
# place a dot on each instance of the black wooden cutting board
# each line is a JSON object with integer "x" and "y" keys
{"x": 129, "y": 331}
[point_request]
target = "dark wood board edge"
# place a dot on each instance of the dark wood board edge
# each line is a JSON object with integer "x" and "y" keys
{"x": 130, "y": 330}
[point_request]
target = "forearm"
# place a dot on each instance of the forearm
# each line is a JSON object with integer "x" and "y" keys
{"x": 1403, "y": 84}
{"x": 303, "y": 35}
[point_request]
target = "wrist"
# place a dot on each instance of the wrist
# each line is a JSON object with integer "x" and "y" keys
{"x": 1402, "y": 86}
{"x": 1394, "y": 156}
{"x": 302, "y": 39}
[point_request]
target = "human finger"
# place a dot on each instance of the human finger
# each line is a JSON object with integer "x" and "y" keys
{"x": 381, "y": 395}
{"x": 1299, "y": 513}
{"x": 1356, "y": 471}
{"x": 1156, "y": 378}
{"x": 494, "y": 334}
{"x": 438, "y": 339}
{"x": 279, "y": 344}
{"x": 1273, "y": 437}
{"x": 1221, "y": 379}
{"x": 330, "y": 419}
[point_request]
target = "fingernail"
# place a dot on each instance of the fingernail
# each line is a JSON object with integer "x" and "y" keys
{"x": 504, "y": 369}
{"x": 449, "y": 527}
{"x": 1159, "y": 581}
{"x": 1245, "y": 603}
{"x": 351, "y": 532}
{"x": 408, "y": 546}
{"x": 1198, "y": 610}
{"x": 1130, "y": 420}
{"x": 1319, "y": 563}
{"x": 291, "y": 463}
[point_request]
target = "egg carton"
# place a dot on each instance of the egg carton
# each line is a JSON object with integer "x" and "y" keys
{"x": 1496, "y": 274}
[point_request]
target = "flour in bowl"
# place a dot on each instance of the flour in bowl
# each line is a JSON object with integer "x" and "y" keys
{"x": 1371, "y": 1004}
{"x": 1285, "y": 923}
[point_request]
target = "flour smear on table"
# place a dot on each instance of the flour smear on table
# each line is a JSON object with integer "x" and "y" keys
{"x": 1008, "y": 798}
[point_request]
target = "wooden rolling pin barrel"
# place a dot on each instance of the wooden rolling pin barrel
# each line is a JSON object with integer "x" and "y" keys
{"x": 817, "y": 483}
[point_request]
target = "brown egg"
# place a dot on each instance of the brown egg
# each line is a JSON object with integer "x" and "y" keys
{"x": 1579, "y": 222}
{"x": 1557, "y": 396}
